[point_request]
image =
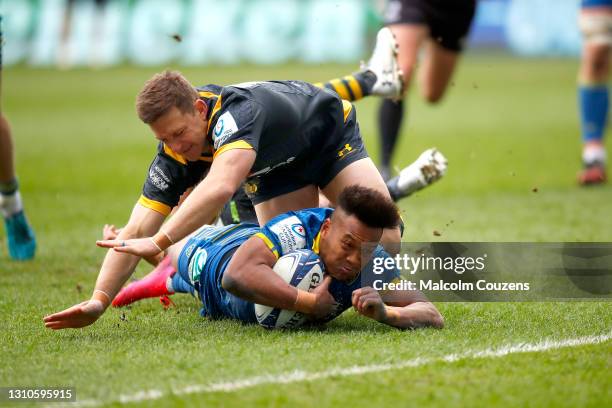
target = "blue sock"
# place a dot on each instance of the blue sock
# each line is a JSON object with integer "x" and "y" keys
{"x": 594, "y": 103}
{"x": 179, "y": 285}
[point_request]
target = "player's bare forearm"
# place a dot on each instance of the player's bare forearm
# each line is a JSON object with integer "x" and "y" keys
{"x": 115, "y": 270}
{"x": 201, "y": 207}
{"x": 227, "y": 173}
{"x": 414, "y": 316}
{"x": 249, "y": 276}
{"x": 402, "y": 309}
{"x": 118, "y": 267}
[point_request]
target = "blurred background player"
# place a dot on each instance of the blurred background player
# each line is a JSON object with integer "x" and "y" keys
{"x": 593, "y": 95}
{"x": 382, "y": 76}
{"x": 21, "y": 241}
{"x": 439, "y": 27}
{"x": 66, "y": 55}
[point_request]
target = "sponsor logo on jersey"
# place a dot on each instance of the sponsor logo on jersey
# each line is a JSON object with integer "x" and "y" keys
{"x": 158, "y": 178}
{"x": 345, "y": 150}
{"x": 287, "y": 234}
{"x": 189, "y": 250}
{"x": 226, "y": 126}
{"x": 247, "y": 85}
{"x": 268, "y": 169}
{"x": 196, "y": 265}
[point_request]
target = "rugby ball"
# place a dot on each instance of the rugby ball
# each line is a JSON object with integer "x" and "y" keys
{"x": 301, "y": 268}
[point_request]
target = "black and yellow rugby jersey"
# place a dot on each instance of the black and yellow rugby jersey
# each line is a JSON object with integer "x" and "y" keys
{"x": 283, "y": 121}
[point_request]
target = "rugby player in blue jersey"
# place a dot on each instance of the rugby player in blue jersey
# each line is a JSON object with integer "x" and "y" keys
{"x": 230, "y": 267}
{"x": 593, "y": 91}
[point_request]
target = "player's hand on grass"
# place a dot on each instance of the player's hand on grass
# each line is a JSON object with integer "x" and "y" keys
{"x": 110, "y": 232}
{"x": 80, "y": 315}
{"x": 325, "y": 303}
{"x": 367, "y": 302}
{"x": 143, "y": 247}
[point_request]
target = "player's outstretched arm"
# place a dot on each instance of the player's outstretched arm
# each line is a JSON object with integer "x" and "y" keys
{"x": 409, "y": 309}
{"x": 249, "y": 275}
{"x": 115, "y": 270}
{"x": 226, "y": 174}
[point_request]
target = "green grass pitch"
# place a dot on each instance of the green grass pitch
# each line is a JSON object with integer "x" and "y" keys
{"x": 510, "y": 131}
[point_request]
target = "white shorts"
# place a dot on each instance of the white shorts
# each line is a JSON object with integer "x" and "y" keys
{"x": 596, "y": 27}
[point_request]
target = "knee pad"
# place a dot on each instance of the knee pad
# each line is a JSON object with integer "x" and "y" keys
{"x": 596, "y": 28}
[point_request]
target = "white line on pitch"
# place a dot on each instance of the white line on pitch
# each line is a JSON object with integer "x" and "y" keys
{"x": 297, "y": 376}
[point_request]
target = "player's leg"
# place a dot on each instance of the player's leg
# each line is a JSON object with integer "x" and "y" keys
{"x": 409, "y": 37}
{"x": 449, "y": 25}
{"x": 593, "y": 90}
{"x": 443, "y": 26}
{"x": 381, "y": 76}
{"x": 434, "y": 75}
{"x": 343, "y": 162}
{"x": 162, "y": 281}
{"x": 436, "y": 71}
{"x": 21, "y": 240}
{"x": 351, "y": 87}
{"x": 7, "y": 168}
{"x": 428, "y": 168}
{"x": 364, "y": 173}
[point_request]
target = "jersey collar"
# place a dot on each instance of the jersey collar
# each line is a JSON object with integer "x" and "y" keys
{"x": 315, "y": 243}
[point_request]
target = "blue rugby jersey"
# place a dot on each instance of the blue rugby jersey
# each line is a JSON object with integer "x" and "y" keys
{"x": 301, "y": 230}
{"x": 205, "y": 257}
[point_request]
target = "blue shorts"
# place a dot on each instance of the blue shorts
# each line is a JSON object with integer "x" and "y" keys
{"x": 202, "y": 263}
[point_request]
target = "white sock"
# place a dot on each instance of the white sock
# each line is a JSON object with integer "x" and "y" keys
{"x": 411, "y": 179}
{"x": 169, "y": 284}
{"x": 10, "y": 204}
{"x": 594, "y": 154}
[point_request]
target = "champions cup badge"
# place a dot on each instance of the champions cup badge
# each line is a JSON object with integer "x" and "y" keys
{"x": 298, "y": 229}
{"x": 219, "y": 127}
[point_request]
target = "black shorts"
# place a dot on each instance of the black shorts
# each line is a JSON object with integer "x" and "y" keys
{"x": 317, "y": 168}
{"x": 449, "y": 21}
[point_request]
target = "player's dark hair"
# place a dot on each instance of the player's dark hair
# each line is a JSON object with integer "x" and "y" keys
{"x": 162, "y": 92}
{"x": 369, "y": 206}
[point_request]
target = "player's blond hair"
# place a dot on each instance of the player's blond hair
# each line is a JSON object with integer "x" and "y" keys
{"x": 162, "y": 92}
